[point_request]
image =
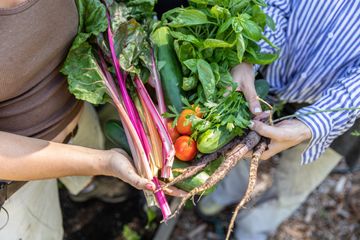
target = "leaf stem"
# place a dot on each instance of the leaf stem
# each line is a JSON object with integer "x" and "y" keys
{"x": 315, "y": 112}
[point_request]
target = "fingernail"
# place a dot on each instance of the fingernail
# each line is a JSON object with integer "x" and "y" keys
{"x": 257, "y": 110}
{"x": 251, "y": 124}
{"x": 150, "y": 187}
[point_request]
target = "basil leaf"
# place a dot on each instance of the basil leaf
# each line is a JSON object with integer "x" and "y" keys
{"x": 186, "y": 51}
{"x": 251, "y": 30}
{"x": 189, "y": 17}
{"x": 207, "y": 79}
{"x": 223, "y": 27}
{"x": 220, "y": 12}
{"x": 240, "y": 47}
{"x": 260, "y": 58}
{"x": 216, "y": 43}
{"x": 270, "y": 22}
{"x": 191, "y": 64}
{"x": 186, "y": 37}
{"x": 189, "y": 83}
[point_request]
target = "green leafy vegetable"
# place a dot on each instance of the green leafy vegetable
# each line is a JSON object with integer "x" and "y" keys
{"x": 212, "y": 37}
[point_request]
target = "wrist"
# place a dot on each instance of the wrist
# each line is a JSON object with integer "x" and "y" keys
{"x": 103, "y": 163}
{"x": 305, "y": 131}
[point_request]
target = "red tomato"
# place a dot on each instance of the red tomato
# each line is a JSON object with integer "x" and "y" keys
{"x": 185, "y": 148}
{"x": 198, "y": 111}
{"x": 174, "y": 134}
{"x": 181, "y": 126}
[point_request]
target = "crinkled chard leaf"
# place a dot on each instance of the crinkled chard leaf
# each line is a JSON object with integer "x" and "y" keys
{"x": 85, "y": 77}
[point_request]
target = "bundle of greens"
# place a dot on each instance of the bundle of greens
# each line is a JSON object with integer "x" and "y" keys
{"x": 209, "y": 38}
{"x": 107, "y": 62}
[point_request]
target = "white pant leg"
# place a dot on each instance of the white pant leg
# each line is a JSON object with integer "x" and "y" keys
{"x": 34, "y": 213}
{"x": 293, "y": 183}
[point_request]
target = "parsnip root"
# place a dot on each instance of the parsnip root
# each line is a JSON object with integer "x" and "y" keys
{"x": 258, "y": 151}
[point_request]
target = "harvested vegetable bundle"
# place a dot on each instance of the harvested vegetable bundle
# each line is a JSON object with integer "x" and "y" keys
{"x": 210, "y": 37}
{"x": 206, "y": 40}
{"x": 107, "y": 62}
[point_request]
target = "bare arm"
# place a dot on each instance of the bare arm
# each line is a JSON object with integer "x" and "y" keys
{"x": 23, "y": 158}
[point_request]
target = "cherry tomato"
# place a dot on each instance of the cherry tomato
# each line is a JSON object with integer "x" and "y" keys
{"x": 185, "y": 148}
{"x": 181, "y": 126}
{"x": 198, "y": 111}
{"x": 174, "y": 134}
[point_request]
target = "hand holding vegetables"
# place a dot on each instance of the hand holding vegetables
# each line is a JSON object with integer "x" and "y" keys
{"x": 120, "y": 166}
{"x": 283, "y": 135}
{"x": 243, "y": 75}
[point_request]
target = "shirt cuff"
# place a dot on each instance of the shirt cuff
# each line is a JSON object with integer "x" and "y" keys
{"x": 320, "y": 126}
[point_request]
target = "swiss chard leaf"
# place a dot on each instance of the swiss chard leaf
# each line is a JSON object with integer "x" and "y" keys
{"x": 85, "y": 77}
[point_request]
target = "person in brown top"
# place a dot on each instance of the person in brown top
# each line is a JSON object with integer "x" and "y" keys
{"x": 37, "y": 113}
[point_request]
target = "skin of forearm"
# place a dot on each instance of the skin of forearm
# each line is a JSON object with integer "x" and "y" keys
{"x": 23, "y": 159}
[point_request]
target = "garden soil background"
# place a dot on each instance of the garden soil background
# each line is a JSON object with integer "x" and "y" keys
{"x": 332, "y": 211}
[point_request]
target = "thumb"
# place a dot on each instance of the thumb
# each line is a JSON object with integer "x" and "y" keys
{"x": 251, "y": 97}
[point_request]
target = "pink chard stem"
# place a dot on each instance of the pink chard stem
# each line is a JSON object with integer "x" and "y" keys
{"x": 135, "y": 120}
{"x": 168, "y": 147}
{"x": 158, "y": 87}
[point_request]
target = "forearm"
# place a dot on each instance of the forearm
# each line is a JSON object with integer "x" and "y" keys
{"x": 326, "y": 126}
{"x": 23, "y": 158}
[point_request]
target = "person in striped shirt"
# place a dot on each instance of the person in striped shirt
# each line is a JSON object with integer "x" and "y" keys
{"x": 319, "y": 64}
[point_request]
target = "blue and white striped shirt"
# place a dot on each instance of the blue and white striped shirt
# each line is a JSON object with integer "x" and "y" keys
{"x": 319, "y": 64}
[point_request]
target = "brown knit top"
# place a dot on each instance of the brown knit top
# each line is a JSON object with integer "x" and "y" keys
{"x": 34, "y": 39}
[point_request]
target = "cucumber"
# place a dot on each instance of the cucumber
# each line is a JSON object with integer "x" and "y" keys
{"x": 170, "y": 70}
{"x": 213, "y": 139}
{"x": 199, "y": 179}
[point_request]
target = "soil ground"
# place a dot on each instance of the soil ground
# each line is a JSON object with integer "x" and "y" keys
{"x": 332, "y": 211}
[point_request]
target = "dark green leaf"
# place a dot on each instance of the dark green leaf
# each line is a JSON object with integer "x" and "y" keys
{"x": 262, "y": 88}
{"x": 92, "y": 20}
